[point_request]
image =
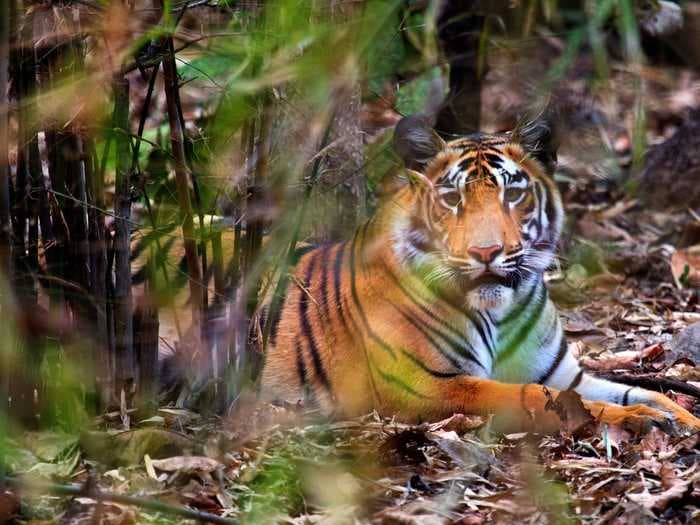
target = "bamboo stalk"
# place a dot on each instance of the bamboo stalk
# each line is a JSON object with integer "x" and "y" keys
{"x": 183, "y": 183}
{"x": 98, "y": 269}
{"x": 123, "y": 309}
{"x": 22, "y": 188}
{"x": 146, "y": 318}
{"x": 5, "y": 226}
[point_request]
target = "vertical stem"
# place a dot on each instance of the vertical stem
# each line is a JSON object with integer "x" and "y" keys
{"x": 26, "y": 211}
{"x": 146, "y": 319}
{"x": 183, "y": 182}
{"x": 124, "y": 351}
{"x": 5, "y": 226}
{"x": 98, "y": 269}
{"x": 202, "y": 248}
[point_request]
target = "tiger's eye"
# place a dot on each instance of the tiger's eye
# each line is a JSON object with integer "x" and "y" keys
{"x": 452, "y": 199}
{"x": 513, "y": 194}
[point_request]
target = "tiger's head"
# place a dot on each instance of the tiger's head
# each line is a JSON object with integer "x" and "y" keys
{"x": 484, "y": 217}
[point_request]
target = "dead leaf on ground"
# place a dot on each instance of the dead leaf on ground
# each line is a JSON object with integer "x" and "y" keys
{"x": 187, "y": 464}
{"x": 625, "y": 360}
{"x": 660, "y": 500}
{"x": 685, "y": 266}
{"x": 459, "y": 423}
{"x": 576, "y": 418}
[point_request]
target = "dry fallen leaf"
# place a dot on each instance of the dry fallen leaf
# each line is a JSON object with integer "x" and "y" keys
{"x": 627, "y": 359}
{"x": 660, "y": 500}
{"x": 188, "y": 464}
{"x": 575, "y": 417}
{"x": 458, "y": 423}
{"x": 685, "y": 266}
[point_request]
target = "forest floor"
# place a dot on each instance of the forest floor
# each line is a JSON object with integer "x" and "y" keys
{"x": 627, "y": 287}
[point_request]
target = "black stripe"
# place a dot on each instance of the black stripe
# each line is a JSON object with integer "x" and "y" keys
{"x": 306, "y": 326}
{"x": 626, "y": 396}
{"x": 555, "y": 364}
{"x": 462, "y": 310}
{"x": 576, "y": 381}
{"x": 337, "y": 267}
{"x": 493, "y": 159}
{"x": 465, "y": 163}
{"x": 469, "y": 315}
{"x": 324, "y": 281}
{"x": 518, "y": 308}
{"x": 300, "y": 251}
{"x": 275, "y": 320}
{"x": 279, "y": 300}
{"x": 489, "y": 342}
{"x": 434, "y": 373}
{"x": 356, "y": 301}
{"x": 463, "y": 348}
{"x": 363, "y": 235}
{"x": 422, "y": 307}
{"x": 301, "y": 367}
{"x": 522, "y": 398}
{"x": 550, "y": 209}
{"x": 398, "y": 382}
{"x": 523, "y": 332}
{"x": 370, "y": 364}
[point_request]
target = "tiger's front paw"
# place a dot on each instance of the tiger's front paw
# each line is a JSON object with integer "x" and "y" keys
{"x": 635, "y": 418}
{"x": 683, "y": 422}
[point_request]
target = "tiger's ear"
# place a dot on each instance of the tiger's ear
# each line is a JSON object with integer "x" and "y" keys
{"x": 538, "y": 137}
{"x": 416, "y": 142}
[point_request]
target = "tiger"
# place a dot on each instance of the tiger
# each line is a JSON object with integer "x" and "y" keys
{"x": 437, "y": 304}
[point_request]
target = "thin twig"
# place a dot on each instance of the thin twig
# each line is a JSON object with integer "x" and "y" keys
{"x": 98, "y": 495}
{"x": 654, "y": 382}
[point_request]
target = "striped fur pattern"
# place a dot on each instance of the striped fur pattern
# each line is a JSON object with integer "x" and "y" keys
{"x": 438, "y": 305}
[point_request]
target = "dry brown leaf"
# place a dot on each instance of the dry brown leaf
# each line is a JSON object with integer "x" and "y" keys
{"x": 659, "y": 501}
{"x": 189, "y": 464}
{"x": 575, "y": 417}
{"x": 624, "y": 360}
{"x": 684, "y": 372}
{"x": 458, "y": 423}
{"x": 685, "y": 266}
{"x": 669, "y": 475}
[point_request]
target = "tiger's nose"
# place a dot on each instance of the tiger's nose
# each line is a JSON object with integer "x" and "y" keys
{"x": 485, "y": 254}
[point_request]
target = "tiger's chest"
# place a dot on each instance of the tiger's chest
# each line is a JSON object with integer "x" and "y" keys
{"x": 519, "y": 347}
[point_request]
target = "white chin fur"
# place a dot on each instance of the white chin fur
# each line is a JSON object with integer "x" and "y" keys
{"x": 491, "y": 297}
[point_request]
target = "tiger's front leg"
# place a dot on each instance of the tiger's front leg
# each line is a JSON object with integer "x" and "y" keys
{"x": 608, "y": 392}
{"x": 517, "y": 407}
{"x": 568, "y": 375}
